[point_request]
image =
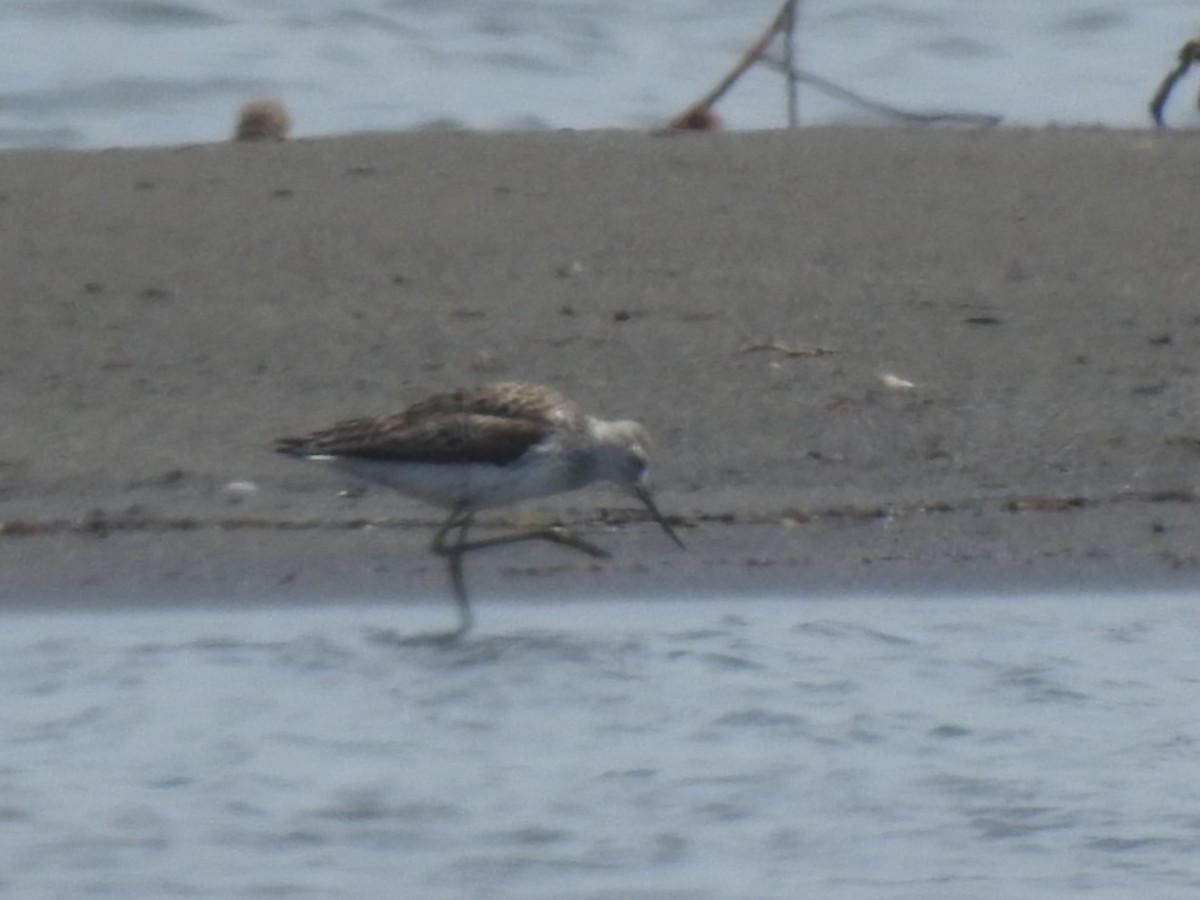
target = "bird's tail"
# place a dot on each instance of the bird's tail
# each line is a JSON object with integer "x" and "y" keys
{"x": 293, "y": 446}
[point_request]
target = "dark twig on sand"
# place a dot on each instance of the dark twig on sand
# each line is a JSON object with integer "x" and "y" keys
{"x": 789, "y": 350}
{"x": 700, "y": 117}
{"x": 1189, "y": 53}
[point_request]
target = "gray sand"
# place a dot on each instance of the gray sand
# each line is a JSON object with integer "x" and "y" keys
{"x": 167, "y": 313}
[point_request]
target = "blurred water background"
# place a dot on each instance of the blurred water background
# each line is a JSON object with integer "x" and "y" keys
{"x": 100, "y": 73}
{"x": 863, "y": 747}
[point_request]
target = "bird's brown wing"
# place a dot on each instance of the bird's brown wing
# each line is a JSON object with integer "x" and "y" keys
{"x": 445, "y": 437}
{"x": 506, "y": 400}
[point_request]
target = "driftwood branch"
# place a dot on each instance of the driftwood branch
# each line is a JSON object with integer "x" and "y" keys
{"x": 883, "y": 109}
{"x": 700, "y": 116}
{"x": 1188, "y": 54}
{"x": 784, "y": 23}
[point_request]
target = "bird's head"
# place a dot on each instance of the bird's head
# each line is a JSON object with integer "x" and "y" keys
{"x": 624, "y": 460}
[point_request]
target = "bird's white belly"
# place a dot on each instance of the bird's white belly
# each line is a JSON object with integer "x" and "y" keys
{"x": 449, "y": 485}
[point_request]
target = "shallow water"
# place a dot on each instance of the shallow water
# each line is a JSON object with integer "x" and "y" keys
{"x": 98, "y": 73}
{"x": 855, "y": 747}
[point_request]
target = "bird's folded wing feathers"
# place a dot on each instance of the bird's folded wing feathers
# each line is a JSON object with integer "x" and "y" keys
{"x": 446, "y": 438}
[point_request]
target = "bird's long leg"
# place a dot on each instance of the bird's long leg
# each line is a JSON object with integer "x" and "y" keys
{"x": 453, "y": 550}
{"x": 554, "y": 534}
{"x": 459, "y": 519}
{"x": 462, "y": 517}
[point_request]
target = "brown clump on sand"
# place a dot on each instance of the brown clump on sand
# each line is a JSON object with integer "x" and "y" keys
{"x": 262, "y": 120}
{"x": 697, "y": 119}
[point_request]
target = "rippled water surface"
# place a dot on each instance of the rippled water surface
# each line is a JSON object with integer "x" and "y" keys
{"x": 979, "y": 747}
{"x": 96, "y": 73}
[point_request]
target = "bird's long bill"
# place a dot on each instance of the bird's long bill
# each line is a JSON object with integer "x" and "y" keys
{"x": 643, "y": 494}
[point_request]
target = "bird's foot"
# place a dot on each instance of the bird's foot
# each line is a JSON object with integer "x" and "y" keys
{"x": 557, "y": 534}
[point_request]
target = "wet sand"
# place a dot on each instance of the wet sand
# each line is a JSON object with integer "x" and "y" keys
{"x": 871, "y": 359}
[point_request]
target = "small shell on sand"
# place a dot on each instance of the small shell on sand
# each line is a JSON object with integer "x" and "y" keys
{"x": 262, "y": 120}
{"x": 895, "y": 382}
